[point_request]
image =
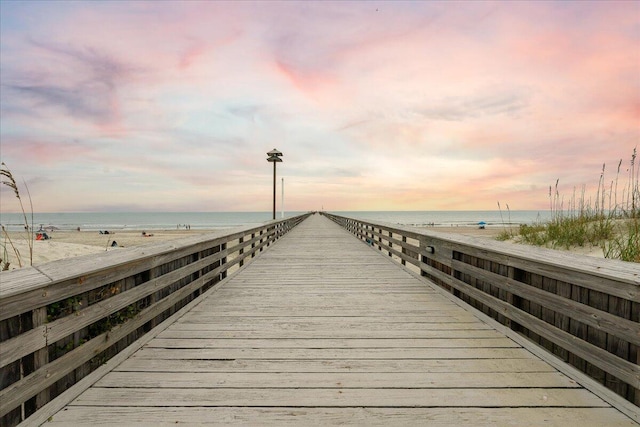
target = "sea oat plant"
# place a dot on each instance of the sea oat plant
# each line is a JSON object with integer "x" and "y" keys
{"x": 625, "y": 245}
{"x": 615, "y": 228}
{"x": 505, "y": 234}
{"x": 10, "y": 182}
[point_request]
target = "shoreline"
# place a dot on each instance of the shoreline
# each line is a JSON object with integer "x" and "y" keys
{"x": 69, "y": 244}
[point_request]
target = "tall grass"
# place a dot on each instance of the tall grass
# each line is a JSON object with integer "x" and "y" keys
{"x": 7, "y": 243}
{"x": 626, "y": 244}
{"x": 607, "y": 221}
{"x": 505, "y": 234}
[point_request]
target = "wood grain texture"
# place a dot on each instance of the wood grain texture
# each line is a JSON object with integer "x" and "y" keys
{"x": 321, "y": 329}
{"x": 365, "y": 416}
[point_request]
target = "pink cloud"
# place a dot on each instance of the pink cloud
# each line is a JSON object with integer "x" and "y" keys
{"x": 311, "y": 83}
{"x": 190, "y": 55}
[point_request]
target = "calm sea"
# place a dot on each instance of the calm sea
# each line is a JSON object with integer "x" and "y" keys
{"x": 214, "y": 220}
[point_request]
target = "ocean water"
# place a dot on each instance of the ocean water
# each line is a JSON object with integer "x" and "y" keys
{"x": 451, "y": 218}
{"x": 140, "y": 220}
{"x": 217, "y": 220}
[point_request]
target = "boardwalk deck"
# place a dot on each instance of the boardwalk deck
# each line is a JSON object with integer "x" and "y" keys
{"x": 320, "y": 329}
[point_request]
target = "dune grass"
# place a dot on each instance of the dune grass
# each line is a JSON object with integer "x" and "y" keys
{"x": 7, "y": 244}
{"x": 606, "y": 221}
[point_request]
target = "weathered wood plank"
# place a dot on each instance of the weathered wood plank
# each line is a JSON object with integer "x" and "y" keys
{"x": 333, "y": 353}
{"x": 379, "y": 329}
{"x": 412, "y": 380}
{"x": 250, "y": 317}
{"x": 327, "y": 333}
{"x": 340, "y": 397}
{"x": 182, "y": 342}
{"x": 335, "y": 366}
{"x": 315, "y": 311}
{"x": 383, "y": 417}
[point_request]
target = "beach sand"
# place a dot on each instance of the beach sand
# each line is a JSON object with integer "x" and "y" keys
{"x": 493, "y": 232}
{"x": 69, "y": 244}
{"x": 473, "y": 231}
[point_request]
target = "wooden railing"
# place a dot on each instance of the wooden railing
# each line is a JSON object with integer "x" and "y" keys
{"x": 584, "y": 310}
{"x": 62, "y": 320}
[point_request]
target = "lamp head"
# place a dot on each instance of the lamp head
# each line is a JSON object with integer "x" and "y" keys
{"x": 274, "y": 152}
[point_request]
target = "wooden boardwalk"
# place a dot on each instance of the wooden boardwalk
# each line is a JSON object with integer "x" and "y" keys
{"x": 321, "y": 329}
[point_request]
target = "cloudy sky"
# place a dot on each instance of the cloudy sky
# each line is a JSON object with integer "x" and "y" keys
{"x": 172, "y": 106}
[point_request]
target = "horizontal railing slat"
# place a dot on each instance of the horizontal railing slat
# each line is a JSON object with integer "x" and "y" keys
{"x": 92, "y": 271}
{"x": 590, "y": 316}
{"x": 626, "y": 371}
{"x": 30, "y": 341}
{"x": 557, "y": 262}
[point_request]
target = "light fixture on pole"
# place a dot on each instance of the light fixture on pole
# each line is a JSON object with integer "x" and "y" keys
{"x": 274, "y": 157}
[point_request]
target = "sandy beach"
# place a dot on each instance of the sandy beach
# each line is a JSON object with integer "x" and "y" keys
{"x": 493, "y": 232}
{"x": 69, "y": 244}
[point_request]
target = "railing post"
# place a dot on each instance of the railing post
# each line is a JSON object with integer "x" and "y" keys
{"x": 253, "y": 245}
{"x": 404, "y": 249}
{"x": 12, "y": 372}
{"x": 509, "y": 298}
{"x": 223, "y": 261}
{"x": 153, "y": 273}
{"x": 40, "y": 357}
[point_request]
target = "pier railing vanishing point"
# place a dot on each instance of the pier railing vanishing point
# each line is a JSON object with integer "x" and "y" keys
{"x": 60, "y": 322}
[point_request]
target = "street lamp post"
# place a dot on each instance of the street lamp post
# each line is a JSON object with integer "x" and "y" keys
{"x": 274, "y": 157}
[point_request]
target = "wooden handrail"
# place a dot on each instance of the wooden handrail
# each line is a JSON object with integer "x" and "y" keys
{"x": 583, "y": 310}
{"x": 61, "y": 320}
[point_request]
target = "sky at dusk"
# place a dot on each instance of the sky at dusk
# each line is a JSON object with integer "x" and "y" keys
{"x": 417, "y": 105}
